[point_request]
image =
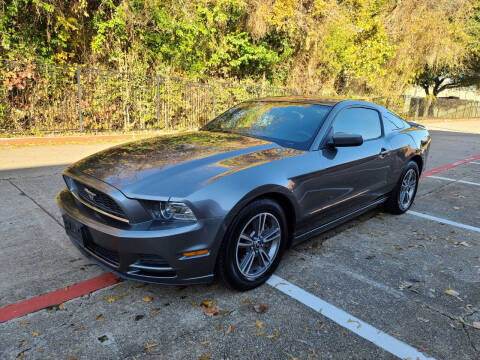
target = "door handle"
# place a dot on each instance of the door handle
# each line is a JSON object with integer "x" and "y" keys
{"x": 383, "y": 152}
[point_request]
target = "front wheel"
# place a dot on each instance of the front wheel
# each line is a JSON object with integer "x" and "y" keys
{"x": 401, "y": 198}
{"x": 253, "y": 245}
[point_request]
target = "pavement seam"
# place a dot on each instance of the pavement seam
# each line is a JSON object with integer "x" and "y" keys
{"x": 35, "y": 202}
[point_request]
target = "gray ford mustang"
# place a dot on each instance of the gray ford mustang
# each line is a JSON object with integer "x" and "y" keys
{"x": 229, "y": 199}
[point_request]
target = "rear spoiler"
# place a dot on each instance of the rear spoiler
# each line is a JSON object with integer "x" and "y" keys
{"x": 416, "y": 124}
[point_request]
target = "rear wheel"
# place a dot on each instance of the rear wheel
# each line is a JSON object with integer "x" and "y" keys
{"x": 253, "y": 245}
{"x": 401, "y": 198}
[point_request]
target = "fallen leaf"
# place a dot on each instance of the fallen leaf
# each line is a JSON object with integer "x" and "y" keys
{"x": 245, "y": 300}
{"x": 452, "y": 292}
{"x": 356, "y": 322}
{"x": 109, "y": 298}
{"x": 260, "y": 333}
{"x": 218, "y": 327}
{"x": 258, "y": 324}
{"x": 274, "y": 335}
{"x": 206, "y": 342}
{"x": 154, "y": 312}
{"x": 150, "y": 347}
{"x": 321, "y": 325}
{"x": 210, "y": 311}
{"x": 60, "y": 306}
{"x": 19, "y": 356}
{"x": 80, "y": 328}
{"x": 23, "y": 323}
{"x": 23, "y": 343}
{"x": 229, "y": 329}
{"x": 193, "y": 303}
{"x": 205, "y": 356}
{"x": 260, "y": 308}
{"x": 224, "y": 312}
{"x": 71, "y": 357}
{"x": 147, "y": 299}
{"x": 476, "y": 324}
{"x": 34, "y": 333}
{"x": 207, "y": 303}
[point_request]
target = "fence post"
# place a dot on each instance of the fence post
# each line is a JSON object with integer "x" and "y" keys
{"x": 213, "y": 103}
{"x": 158, "y": 99}
{"x": 79, "y": 86}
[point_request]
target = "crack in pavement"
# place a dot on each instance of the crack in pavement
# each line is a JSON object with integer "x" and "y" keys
{"x": 35, "y": 202}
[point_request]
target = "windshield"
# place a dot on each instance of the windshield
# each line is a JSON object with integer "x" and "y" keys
{"x": 287, "y": 124}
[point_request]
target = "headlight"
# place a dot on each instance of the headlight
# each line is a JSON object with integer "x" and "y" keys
{"x": 167, "y": 210}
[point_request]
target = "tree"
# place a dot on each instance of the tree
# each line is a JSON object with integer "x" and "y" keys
{"x": 435, "y": 80}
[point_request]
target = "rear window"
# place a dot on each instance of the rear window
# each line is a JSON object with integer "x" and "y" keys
{"x": 287, "y": 124}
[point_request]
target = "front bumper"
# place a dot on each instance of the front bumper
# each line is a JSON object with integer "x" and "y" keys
{"x": 140, "y": 251}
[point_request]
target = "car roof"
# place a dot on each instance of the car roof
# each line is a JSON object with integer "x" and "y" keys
{"x": 330, "y": 101}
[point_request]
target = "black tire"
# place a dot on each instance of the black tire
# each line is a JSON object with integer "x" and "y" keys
{"x": 227, "y": 264}
{"x": 394, "y": 203}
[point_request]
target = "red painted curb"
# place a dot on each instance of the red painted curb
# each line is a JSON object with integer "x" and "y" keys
{"x": 449, "y": 166}
{"x": 21, "y": 308}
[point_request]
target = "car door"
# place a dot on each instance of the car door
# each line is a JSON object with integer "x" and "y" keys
{"x": 350, "y": 177}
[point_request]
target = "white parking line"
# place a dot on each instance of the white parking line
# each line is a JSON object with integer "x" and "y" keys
{"x": 453, "y": 180}
{"x": 444, "y": 221}
{"x": 344, "y": 319}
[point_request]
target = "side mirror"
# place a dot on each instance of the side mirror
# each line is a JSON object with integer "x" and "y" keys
{"x": 344, "y": 139}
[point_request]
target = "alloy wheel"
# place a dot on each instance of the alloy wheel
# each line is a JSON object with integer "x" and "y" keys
{"x": 258, "y": 244}
{"x": 407, "y": 190}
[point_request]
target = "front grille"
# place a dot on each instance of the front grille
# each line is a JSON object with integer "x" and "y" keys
{"x": 99, "y": 200}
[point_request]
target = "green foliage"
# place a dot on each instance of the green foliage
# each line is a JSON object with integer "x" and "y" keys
{"x": 363, "y": 47}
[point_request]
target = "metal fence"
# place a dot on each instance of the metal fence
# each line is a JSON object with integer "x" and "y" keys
{"x": 40, "y": 97}
{"x": 50, "y": 98}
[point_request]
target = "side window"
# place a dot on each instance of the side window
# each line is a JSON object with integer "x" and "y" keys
{"x": 392, "y": 122}
{"x": 362, "y": 121}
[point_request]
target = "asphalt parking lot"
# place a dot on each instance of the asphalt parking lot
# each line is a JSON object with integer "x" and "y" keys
{"x": 378, "y": 287}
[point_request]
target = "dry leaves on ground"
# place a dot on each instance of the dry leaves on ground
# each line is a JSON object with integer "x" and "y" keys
{"x": 150, "y": 347}
{"x": 274, "y": 335}
{"x": 260, "y": 308}
{"x": 210, "y": 311}
{"x": 208, "y": 307}
{"x": 147, "y": 299}
{"x": 453, "y": 293}
{"x": 205, "y": 356}
{"x": 229, "y": 329}
{"x": 108, "y": 298}
{"x": 80, "y": 328}
{"x": 258, "y": 324}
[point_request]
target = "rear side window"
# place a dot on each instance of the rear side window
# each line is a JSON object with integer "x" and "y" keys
{"x": 362, "y": 121}
{"x": 392, "y": 122}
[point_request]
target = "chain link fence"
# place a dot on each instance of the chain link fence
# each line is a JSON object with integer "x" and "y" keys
{"x": 38, "y": 97}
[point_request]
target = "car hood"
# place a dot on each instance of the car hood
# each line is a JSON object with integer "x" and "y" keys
{"x": 177, "y": 165}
